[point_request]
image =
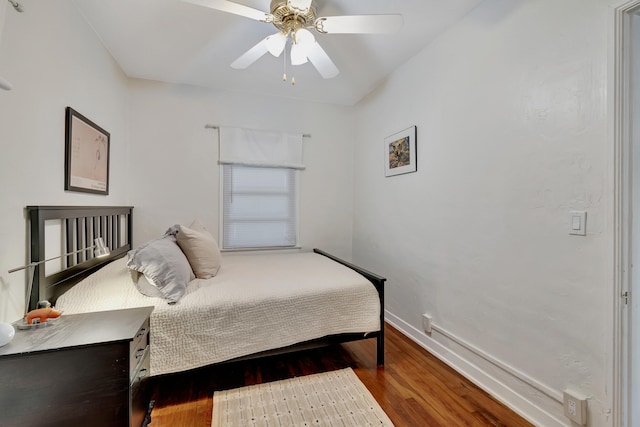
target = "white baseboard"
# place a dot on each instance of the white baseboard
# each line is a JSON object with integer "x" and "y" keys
{"x": 522, "y": 398}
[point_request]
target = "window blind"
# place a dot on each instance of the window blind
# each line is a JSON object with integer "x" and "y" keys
{"x": 259, "y": 207}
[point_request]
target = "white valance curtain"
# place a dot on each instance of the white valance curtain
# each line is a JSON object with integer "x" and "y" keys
{"x": 260, "y": 148}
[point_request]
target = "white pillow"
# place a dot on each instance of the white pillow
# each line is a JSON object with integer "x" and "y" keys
{"x": 164, "y": 266}
{"x": 200, "y": 248}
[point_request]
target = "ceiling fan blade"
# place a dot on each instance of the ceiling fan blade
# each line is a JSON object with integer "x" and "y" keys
{"x": 322, "y": 62}
{"x": 231, "y": 7}
{"x": 359, "y": 24}
{"x": 251, "y": 56}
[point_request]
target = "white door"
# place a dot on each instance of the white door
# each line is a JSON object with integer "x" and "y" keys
{"x": 633, "y": 306}
{"x": 625, "y": 113}
{"x": 634, "y": 302}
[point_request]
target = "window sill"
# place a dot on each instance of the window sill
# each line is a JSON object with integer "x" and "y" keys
{"x": 279, "y": 248}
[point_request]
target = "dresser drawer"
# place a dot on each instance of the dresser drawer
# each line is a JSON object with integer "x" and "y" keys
{"x": 139, "y": 345}
{"x": 142, "y": 369}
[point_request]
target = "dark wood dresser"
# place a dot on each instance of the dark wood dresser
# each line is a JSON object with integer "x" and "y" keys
{"x": 84, "y": 370}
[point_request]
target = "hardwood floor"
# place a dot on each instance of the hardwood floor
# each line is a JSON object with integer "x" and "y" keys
{"x": 414, "y": 388}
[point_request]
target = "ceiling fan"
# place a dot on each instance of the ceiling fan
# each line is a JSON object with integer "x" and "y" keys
{"x": 294, "y": 19}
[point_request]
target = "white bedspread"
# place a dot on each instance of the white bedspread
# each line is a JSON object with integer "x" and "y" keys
{"x": 255, "y": 303}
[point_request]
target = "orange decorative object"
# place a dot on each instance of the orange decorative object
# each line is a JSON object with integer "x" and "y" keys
{"x": 43, "y": 314}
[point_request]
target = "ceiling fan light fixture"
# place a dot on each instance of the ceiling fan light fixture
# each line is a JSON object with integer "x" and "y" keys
{"x": 298, "y": 55}
{"x": 303, "y": 41}
{"x": 304, "y": 38}
{"x": 276, "y": 42}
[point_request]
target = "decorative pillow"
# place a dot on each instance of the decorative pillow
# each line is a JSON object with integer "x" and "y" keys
{"x": 164, "y": 266}
{"x": 200, "y": 248}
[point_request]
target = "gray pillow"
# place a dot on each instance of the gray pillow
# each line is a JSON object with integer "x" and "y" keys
{"x": 164, "y": 266}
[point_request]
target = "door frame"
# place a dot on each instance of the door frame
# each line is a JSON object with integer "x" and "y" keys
{"x": 620, "y": 132}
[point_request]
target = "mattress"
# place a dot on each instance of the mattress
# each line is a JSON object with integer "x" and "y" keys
{"x": 256, "y": 302}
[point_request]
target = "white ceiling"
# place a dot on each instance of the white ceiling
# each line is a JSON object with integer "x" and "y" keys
{"x": 176, "y": 42}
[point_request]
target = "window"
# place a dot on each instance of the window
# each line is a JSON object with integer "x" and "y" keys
{"x": 260, "y": 207}
{"x": 259, "y": 188}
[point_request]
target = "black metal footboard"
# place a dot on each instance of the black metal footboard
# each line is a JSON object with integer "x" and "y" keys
{"x": 378, "y": 282}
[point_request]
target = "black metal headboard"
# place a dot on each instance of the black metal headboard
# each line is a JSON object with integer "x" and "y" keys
{"x": 78, "y": 226}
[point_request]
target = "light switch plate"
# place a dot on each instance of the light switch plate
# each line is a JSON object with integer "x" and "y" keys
{"x": 578, "y": 223}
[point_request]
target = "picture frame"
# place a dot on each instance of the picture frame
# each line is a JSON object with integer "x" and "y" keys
{"x": 87, "y": 148}
{"x": 400, "y": 152}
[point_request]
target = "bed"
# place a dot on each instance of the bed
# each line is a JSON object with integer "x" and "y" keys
{"x": 258, "y": 303}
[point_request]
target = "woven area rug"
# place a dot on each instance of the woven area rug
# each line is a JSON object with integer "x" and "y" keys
{"x": 335, "y": 398}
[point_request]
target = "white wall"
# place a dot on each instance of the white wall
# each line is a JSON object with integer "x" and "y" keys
{"x": 510, "y": 106}
{"x": 175, "y": 175}
{"x": 54, "y": 60}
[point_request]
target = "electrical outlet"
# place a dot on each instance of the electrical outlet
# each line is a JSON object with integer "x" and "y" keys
{"x": 426, "y": 323}
{"x": 575, "y": 407}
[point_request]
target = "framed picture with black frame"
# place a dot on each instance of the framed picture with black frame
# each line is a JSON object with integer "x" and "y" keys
{"x": 86, "y": 166}
{"x": 400, "y": 152}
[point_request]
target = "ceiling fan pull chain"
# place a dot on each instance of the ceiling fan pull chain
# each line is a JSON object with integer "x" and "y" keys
{"x": 284, "y": 64}
{"x": 293, "y": 77}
